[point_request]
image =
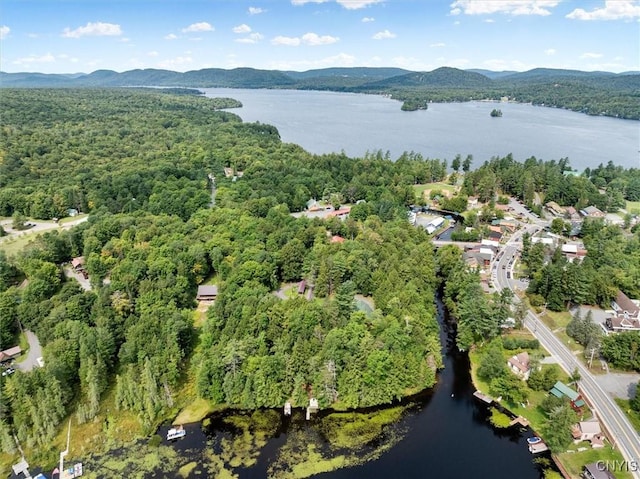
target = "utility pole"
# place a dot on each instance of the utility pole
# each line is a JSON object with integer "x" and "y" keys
{"x": 593, "y": 350}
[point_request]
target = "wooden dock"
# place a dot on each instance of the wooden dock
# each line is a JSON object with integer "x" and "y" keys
{"x": 483, "y": 397}
{"x": 538, "y": 448}
{"x": 520, "y": 420}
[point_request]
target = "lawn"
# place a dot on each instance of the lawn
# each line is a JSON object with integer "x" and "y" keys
{"x": 12, "y": 246}
{"x": 633, "y": 207}
{"x": 420, "y": 189}
{"x": 573, "y": 461}
{"x": 633, "y": 416}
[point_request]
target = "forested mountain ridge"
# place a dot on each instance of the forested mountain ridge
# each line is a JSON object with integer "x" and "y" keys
{"x": 594, "y": 93}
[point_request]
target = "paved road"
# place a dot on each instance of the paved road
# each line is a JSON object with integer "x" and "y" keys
{"x": 38, "y": 227}
{"x": 35, "y": 352}
{"x": 623, "y": 435}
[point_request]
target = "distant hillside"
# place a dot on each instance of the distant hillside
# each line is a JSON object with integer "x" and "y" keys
{"x": 441, "y": 77}
{"x": 364, "y": 73}
{"x": 491, "y": 74}
{"x": 547, "y": 74}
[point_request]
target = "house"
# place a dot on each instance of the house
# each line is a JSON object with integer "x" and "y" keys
{"x": 592, "y": 212}
{"x": 72, "y": 212}
{"x": 571, "y": 213}
{"x": 207, "y": 292}
{"x": 623, "y": 305}
{"x": 595, "y": 470}
{"x": 561, "y": 390}
{"x": 9, "y": 354}
{"x": 626, "y": 314}
{"x": 555, "y": 209}
{"x": 313, "y": 205}
{"x": 519, "y": 364}
{"x": 586, "y": 430}
{"x": 342, "y": 213}
{"x": 78, "y": 263}
{"x": 337, "y": 239}
{"x": 434, "y": 224}
{"x": 508, "y": 226}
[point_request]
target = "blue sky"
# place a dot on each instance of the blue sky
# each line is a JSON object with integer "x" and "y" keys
{"x": 68, "y": 36}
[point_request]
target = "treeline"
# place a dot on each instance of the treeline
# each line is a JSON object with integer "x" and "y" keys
{"x": 612, "y": 262}
{"x": 555, "y": 181}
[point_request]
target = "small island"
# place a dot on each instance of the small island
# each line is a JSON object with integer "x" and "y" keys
{"x": 415, "y": 104}
{"x": 496, "y": 113}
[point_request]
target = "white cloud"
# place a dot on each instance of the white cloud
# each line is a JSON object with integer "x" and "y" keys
{"x": 244, "y": 28}
{"x": 288, "y": 41}
{"x": 438, "y": 45}
{"x": 31, "y": 59}
{"x": 198, "y": 27}
{"x": 176, "y": 63}
{"x": 612, "y": 10}
{"x": 489, "y": 20}
{"x": 357, "y": 4}
{"x": 125, "y": 40}
{"x": 255, "y": 10}
{"x": 153, "y": 53}
{"x": 311, "y": 39}
{"x": 591, "y": 55}
{"x": 340, "y": 60}
{"x": 4, "y": 32}
{"x": 314, "y": 39}
{"x": 550, "y": 51}
{"x": 368, "y": 19}
{"x": 251, "y": 38}
{"x": 511, "y": 7}
{"x": 348, "y": 4}
{"x": 506, "y": 65}
{"x": 384, "y": 35}
{"x": 171, "y": 36}
{"x": 91, "y": 29}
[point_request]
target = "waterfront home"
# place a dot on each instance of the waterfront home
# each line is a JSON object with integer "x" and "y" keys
{"x": 592, "y": 212}
{"x": 586, "y": 431}
{"x": 519, "y": 364}
{"x": 561, "y": 390}
{"x": 596, "y": 471}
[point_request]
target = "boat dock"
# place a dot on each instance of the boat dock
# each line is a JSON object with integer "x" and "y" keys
{"x": 520, "y": 420}
{"x": 538, "y": 448}
{"x": 287, "y": 409}
{"x": 483, "y": 397}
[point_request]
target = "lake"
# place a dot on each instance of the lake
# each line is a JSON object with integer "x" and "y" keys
{"x": 326, "y": 122}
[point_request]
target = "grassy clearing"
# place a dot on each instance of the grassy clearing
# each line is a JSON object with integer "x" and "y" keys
{"x": 420, "y": 189}
{"x": 69, "y": 219}
{"x": 634, "y": 416}
{"x": 13, "y": 245}
{"x": 573, "y": 461}
{"x": 633, "y": 207}
{"x": 196, "y": 411}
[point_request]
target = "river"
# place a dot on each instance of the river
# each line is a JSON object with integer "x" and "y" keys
{"x": 326, "y": 122}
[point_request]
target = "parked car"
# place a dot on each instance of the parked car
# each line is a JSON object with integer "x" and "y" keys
{"x": 8, "y": 371}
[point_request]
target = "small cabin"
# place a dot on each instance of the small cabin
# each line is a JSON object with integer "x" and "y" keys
{"x": 207, "y": 292}
{"x": 9, "y": 354}
{"x": 78, "y": 263}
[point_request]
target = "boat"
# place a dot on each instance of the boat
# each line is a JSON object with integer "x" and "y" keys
{"x": 176, "y": 433}
{"x": 534, "y": 440}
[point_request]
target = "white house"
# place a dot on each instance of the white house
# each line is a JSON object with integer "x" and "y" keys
{"x": 519, "y": 364}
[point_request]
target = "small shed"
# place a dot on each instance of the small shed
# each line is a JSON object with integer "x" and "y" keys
{"x": 207, "y": 292}
{"x": 78, "y": 263}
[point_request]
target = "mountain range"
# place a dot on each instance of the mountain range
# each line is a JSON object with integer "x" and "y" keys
{"x": 360, "y": 78}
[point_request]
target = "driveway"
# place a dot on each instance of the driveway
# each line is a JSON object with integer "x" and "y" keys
{"x": 35, "y": 352}
{"x": 619, "y": 385}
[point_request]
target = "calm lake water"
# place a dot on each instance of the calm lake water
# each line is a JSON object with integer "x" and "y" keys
{"x": 326, "y": 122}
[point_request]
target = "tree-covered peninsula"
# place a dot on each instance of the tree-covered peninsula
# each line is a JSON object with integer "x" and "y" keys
{"x": 129, "y": 343}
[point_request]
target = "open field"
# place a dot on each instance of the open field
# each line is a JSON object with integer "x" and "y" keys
{"x": 633, "y": 207}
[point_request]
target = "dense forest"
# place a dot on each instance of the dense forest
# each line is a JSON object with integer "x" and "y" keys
{"x": 139, "y": 162}
{"x": 593, "y": 93}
